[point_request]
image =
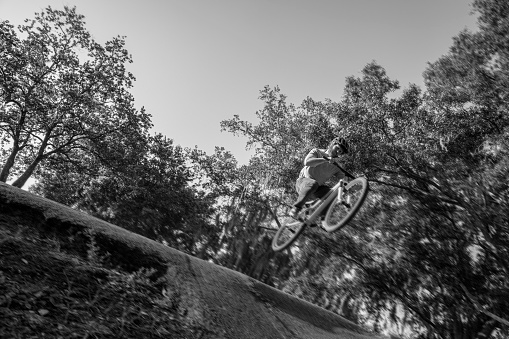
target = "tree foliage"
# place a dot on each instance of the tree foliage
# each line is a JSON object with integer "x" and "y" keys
{"x": 153, "y": 196}
{"x": 63, "y": 95}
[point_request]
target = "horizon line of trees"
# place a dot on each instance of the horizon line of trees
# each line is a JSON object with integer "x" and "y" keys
{"x": 427, "y": 257}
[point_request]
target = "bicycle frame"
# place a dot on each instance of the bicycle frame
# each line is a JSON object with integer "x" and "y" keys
{"x": 320, "y": 204}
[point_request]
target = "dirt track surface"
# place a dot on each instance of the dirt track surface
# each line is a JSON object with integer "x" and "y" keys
{"x": 232, "y": 304}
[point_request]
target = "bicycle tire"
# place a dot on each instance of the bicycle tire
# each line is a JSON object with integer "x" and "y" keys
{"x": 338, "y": 215}
{"x": 287, "y": 234}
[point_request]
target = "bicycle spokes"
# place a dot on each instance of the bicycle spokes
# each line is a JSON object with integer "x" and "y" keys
{"x": 339, "y": 212}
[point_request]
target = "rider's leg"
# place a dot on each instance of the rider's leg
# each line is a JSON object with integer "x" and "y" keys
{"x": 306, "y": 188}
{"x": 320, "y": 192}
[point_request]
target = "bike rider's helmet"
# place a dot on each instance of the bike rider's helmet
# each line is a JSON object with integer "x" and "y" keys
{"x": 342, "y": 143}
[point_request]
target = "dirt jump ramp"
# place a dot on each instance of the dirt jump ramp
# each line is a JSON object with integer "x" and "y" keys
{"x": 235, "y": 305}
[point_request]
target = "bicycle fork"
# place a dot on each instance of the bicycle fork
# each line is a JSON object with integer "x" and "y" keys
{"x": 345, "y": 202}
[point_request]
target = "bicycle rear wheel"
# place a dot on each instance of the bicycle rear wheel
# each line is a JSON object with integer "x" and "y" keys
{"x": 287, "y": 233}
{"x": 339, "y": 214}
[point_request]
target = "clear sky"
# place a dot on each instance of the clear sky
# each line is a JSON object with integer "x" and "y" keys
{"x": 198, "y": 62}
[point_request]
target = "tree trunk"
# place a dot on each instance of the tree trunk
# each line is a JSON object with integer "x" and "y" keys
{"x": 22, "y": 179}
{"x": 31, "y": 168}
{"x": 9, "y": 163}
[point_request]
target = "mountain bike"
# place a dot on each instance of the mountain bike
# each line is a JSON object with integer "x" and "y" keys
{"x": 343, "y": 202}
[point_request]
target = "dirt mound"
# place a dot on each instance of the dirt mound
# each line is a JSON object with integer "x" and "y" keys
{"x": 197, "y": 298}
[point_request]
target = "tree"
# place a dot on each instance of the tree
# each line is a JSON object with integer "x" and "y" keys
{"x": 154, "y": 196}
{"x": 63, "y": 96}
{"x": 469, "y": 85}
{"x": 447, "y": 151}
{"x": 430, "y": 244}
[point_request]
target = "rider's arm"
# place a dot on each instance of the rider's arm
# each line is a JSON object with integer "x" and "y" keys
{"x": 312, "y": 162}
{"x": 314, "y": 158}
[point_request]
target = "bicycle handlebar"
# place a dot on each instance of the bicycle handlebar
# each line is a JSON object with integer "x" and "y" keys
{"x": 341, "y": 168}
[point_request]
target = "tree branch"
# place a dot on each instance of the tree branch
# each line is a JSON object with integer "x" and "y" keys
{"x": 419, "y": 192}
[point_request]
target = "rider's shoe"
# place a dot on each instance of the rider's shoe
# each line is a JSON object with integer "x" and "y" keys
{"x": 294, "y": 213}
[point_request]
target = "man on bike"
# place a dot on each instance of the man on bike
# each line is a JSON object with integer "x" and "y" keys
{"x": 318, "y": 168}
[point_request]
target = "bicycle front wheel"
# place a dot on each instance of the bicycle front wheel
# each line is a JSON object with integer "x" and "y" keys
{"x": 341, "y": 212}
{"x": 287, "y": 233}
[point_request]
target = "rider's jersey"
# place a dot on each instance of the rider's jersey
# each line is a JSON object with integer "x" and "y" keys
{"x": 322, "y": 172}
